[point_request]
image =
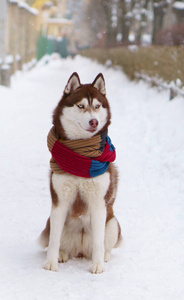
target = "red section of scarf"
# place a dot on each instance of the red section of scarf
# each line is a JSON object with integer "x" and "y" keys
{"x": 82, "y": 166}
{"x": 70, "y": 161}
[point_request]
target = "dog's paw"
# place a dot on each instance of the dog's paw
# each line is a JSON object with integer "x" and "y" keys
{"x": 51, "y": 266}
{"x": 107, "y": 256}
{"x": 63, "y": 256}
{"x": 97, "y": 268}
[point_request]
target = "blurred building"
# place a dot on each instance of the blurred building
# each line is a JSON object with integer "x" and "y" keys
{"x": 63, "y": 18}
{"x": 52, "y": 20}
{"x": 75, "y": 11}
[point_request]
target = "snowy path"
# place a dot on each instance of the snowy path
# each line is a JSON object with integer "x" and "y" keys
{"x": 147, "y": 131}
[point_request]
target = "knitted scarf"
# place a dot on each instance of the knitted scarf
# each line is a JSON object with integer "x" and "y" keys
{"x": 84, "y": 158}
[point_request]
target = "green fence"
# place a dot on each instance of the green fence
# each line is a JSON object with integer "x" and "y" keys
{"x": 49, "y": 45}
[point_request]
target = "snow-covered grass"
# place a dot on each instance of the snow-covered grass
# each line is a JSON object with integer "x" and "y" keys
{"x": 147, "y": 131}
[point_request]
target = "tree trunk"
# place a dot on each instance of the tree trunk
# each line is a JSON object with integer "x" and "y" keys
{"x": 111, "y": 32}
{"x": 142, "y": 22}
{"x": 124, "y": 23}
{"x": 159, "y": 10}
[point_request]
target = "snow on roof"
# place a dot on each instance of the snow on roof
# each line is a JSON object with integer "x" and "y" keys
{"x": 60, "y": 21}
{"x": 14, "y": 1}
{"x": 49, "y": 3}
{"x": 34, "y": 11}
{"x": 178, "y": 5}
{"x": 22, "y": 4}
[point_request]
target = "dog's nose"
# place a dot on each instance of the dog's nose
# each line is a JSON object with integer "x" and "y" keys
{"x": 93, "y": 123}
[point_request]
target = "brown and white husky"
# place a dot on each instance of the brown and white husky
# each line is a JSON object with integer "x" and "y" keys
{"x": 82, "y": 221}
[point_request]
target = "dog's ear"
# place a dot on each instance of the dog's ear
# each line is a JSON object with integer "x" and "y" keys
{"x": 99, "y": 83}
{"x": 73, "y": 83}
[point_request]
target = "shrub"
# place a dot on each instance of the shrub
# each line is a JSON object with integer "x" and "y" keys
{"x": 165, "y": 63}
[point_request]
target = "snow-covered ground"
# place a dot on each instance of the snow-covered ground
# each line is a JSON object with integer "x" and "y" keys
{"x": 148, "y": 132}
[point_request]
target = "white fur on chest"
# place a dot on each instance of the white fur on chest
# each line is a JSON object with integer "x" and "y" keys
{"x": 91, "y": 190}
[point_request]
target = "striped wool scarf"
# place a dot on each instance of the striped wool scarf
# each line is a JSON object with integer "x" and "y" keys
{"x": 84, "y": 158}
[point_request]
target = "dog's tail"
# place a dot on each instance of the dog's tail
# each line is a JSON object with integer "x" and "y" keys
{"x": 43, "y": 239}
{"x": 120, "y": 238}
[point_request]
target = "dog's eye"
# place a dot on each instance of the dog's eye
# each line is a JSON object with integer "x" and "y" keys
{"x": 97, "y": 106}
{"x": 81, "y": 106}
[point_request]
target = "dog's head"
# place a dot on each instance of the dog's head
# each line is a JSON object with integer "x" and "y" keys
{"x": 83, "y": 111}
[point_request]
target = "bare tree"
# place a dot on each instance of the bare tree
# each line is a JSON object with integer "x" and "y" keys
{"x": 143, "y": 19}
{"x": 125, "y": 18}
{"x": 107, "y": 18}
{"x": 159, "y": 10}
{"x": 99, "y": 19}
{"x": 109, "y": 6}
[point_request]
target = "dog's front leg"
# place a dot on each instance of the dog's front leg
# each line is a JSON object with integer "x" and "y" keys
{"x": 57, "y": 219}
{"x": 98, "y": 218}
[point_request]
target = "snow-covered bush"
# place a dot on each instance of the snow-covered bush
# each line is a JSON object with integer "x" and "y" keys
{"x": 165, "y": 63}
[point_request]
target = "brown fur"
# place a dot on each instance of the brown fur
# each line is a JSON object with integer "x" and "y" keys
{"x": 79, "y": 207}
{"x": 54, "y": 196}
{"x": 44, "y": 237}
{"x": 71, "y": 99}
{"x": 111, "y": 192}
